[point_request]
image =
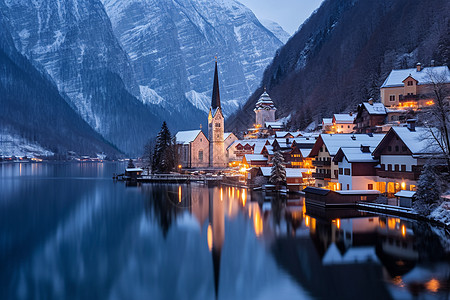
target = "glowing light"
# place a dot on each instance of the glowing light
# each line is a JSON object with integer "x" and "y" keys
{"x": 179, "y": 166}
{"x": 307, "y": 219}
{"x": 179, "y": 193}
{"x": 257, "y": 223}
{"x": 392, "y": 223}
{"x": 403, "y": 185}
{"x": 244, "y": 197}
{"x": 210, "y": 237}
{"x": 431, "y": 102}
{"x": 403, "y": 230}
{"x": 433, "y": 285}
{"x": 338, "y": 223}
{"x": 221, "y": 194}
{"x": 243, "y": 170}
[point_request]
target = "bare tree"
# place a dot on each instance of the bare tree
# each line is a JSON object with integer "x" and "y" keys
{"x": 436, "y": 117}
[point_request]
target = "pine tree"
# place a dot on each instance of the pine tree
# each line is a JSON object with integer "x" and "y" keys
{"x": 130, "y": 164}
{"x": 428, "y": 191}
{"x": 164, "y": 155}
{"x": 278, "y": 174}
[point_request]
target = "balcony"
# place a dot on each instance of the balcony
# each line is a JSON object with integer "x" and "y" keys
{"x": 398, "y": 175}
{"x": 321, "y": 163}
{"x": 321, "y": 176}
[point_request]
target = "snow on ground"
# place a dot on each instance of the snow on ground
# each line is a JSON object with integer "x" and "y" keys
{"x": 14, "y": 145}
{"x": 442, "y": 213}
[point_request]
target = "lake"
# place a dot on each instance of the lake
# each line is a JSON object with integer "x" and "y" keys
{"x": 68, "y": 231}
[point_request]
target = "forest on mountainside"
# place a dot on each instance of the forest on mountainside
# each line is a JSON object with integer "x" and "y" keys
{"x": 342, "y": 54}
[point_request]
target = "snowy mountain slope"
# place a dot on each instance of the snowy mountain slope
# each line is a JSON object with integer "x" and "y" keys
{"x": 172, "y": 44}
{"x": 72, "y": 43}
{"x": 276, "y": 29}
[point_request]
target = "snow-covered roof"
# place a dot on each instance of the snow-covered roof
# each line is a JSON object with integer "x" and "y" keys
{"x": 264, "y": 102}
{"x": 305, "y": 152}
{"x": 358, "y": 192}
{"x": 356, "y": 155}
{"x": 375, "y": 108}
{"x": 352, "y": 256}
{"x": 280, "y": 134}
{"x": 327, "y": 121}
{"x": 335, "y": 141}
{"x": 290, "y": 172}
{"x": 344, "y": 118}
{"x": 418, "y": 141}
{"x": 255, "y": 157}
{"x": 226, "y": 135}
{"x": 134, "y": 170}
{"x": 406, "y": 194}
{"x": 186, "y": 137}
{"x": 275, "y": 124}
{"x": 396, "y": 77}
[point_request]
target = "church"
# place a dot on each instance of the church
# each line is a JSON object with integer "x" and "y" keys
{"x": 195, "y": 150}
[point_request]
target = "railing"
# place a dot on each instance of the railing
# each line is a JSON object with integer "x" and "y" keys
{"x": 398, "y": 174}
{"x": 386, "y": 207}
{"x": 321, "y": 176}
{"x": 321, "y": 163}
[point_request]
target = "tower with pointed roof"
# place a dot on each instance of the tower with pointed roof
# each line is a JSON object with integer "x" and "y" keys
{"x": 265, "y": 109}
{"x": 217, "y": 157}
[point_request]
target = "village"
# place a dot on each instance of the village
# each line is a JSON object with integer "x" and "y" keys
{"x": 373, "y": 154}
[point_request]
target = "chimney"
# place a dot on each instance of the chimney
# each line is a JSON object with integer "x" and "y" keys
{"x": 419, "y": 67}
{"x": 365, "y": 149}
{"x": 287, "y": 140}
{"x": 371, "y": 101}
{"x": 351, "y": 114}
{"x": 411, "y": 124}
{"x": 432, "y": 63}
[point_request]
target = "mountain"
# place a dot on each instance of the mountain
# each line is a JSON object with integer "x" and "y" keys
{"x": 276, "y": 29}
{"x": 35, "y": 119}
{"x": 172, "y": 44}
{"x": 344, "y": 51}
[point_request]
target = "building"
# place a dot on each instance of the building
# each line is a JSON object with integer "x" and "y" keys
{"x": 369, "y": 116}
{"x": 264, "y": 110}
{"x": 327, "y": 125}
{"x": 356, "y": 168}
{"x": 343, "y": 123}
{"x": 217, "y": 157}
{"x": 401, "y": 154}
{"x": 193, "y": 149}
{"x": 412, "y": 87}
{"x": 327, "y": 146}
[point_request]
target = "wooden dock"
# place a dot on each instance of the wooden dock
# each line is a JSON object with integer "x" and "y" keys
{"x": 170, "y": 178}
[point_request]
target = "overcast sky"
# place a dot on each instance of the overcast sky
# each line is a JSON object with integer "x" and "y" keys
{"x": 290, "y": 14}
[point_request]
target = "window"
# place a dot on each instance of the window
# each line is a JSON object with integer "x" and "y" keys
{"x": 341, "y": 171}
{"x": 346, "y": 171}
{"x": 335, "y": 163}
{"x": 400, "y": 97}
{"x": 410, "y": 83}
{"x": 370, "y": 186}
{"x": 217, "y": 124}
{"x": 363, "y": 198}
{"x": 200, "y": 155}
{"x": 348, "y": 187}
{"x": 389, "y": 148}
{"x": 319, "y": 185}
{"x": 321, "y": 149}
{"x": 389, "y": 167}
{"x": 396, "y": 167}
{"x": 403, "y": 168}
{"x": 383, "y": 166}
{"x": 348, "y": 126}
{"x": 397, "y": 149}
{"x": 335, "y": 173}
{"x": 342, "y": 126}
{"x": 392, "y": 98}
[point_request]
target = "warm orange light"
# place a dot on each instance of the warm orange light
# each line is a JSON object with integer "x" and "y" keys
{"x": 210, "y": 237}
{"x": 431, "y": 102}
{"x": 403, "y": 185}
{"x": 244, "y": 197}
{"x": 243, "y": 170}
{"x": 307, "y": 221}
{"x": 392, "y": 223}
{"x": 179, "y": 166}
{"x": 179, "y": 194}
{"x": 433, "y": 285}
{"x": 221, "y": 194}
{"x": 338, "y": 223}
{"x": 403, "y": 230}
{"x": 257, "y": 223}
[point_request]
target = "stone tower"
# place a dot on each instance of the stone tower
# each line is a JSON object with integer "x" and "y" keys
{"x": 265, "y": 109}
{"x": 216, "y": 127}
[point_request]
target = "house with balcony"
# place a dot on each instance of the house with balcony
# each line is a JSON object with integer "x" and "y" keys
{"x": 369, "y": 117}
{"x": 411, "y": 88}
{"x": 326, "y": 147}
{"x": 402, "y": 154}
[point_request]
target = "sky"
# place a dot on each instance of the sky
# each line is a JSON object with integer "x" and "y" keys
{"x": 290, "y": 14}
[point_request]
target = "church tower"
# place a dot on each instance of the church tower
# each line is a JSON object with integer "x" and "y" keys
{"x": 265, "y": 109}
{"x": 216, "y": 127}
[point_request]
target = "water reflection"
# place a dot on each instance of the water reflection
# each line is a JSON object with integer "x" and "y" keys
{"x": 62, "y": 237}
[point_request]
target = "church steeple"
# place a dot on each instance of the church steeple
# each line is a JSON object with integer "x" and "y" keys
{"x": 215, "y": 100}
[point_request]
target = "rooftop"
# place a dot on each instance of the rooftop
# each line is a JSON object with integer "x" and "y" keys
{"x": 396, "y": 77}
{"x": 375, "y": 108}
{"x": 186, "y": 137}
{"x": 334, "y": 142}
{"x": 344, "y": 118}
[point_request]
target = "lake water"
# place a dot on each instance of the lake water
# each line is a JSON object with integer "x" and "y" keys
{"x": 67, "y": 231}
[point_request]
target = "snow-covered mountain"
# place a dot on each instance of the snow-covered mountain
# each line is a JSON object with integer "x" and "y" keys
{"x": 171, "y": 45}
{"x": 276, "y": 29}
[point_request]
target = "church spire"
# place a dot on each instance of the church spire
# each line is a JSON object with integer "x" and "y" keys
{"x": 215, "y": 101}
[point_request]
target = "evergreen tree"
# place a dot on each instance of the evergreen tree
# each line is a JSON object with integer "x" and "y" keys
{"x": 428, "y": 191}
{"x": 164, "y": 155}
{"x": 278, "y": 174}
{"x": 130, "y": 164}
